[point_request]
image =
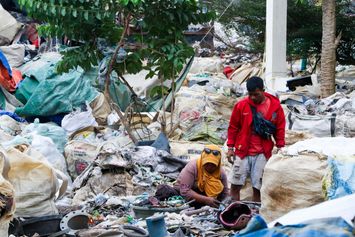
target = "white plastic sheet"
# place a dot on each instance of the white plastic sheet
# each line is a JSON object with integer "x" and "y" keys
{"x": 78, "y": 120}
{"x": 343, "y": 207}
{"x": 47, "y": 148}
{"x": 329, "y": 146}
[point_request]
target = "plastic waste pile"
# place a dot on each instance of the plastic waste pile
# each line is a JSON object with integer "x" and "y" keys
{"x": 69, "y": 166}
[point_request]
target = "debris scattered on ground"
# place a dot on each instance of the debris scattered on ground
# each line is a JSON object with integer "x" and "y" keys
{"x": 70, "y": 166}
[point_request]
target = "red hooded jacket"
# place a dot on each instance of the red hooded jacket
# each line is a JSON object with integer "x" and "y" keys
{"x": 240, "y": 126}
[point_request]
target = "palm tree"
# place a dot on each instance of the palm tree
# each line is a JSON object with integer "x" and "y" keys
{"x": 329, "y": 45}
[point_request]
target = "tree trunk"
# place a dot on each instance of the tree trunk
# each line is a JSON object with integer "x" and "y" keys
{"x": 329, "y": 45}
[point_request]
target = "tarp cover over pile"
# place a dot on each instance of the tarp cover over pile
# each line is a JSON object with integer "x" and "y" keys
{"x": 45, "y": 93}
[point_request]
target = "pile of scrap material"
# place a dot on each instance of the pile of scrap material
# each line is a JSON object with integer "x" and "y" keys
{"x": 322, "y": 117}
{"x": 62, "y": 140}
{"x": 68, "y": 161}
{"x": 203, "y": 106}
{"x": 314, "y": 170}
{"x": 332, "y": 116}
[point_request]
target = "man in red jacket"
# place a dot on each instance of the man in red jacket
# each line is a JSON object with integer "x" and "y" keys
{"x": 247, "y": 150}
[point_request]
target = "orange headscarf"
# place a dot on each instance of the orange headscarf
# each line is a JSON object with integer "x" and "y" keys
{"x": 210, "y": 184}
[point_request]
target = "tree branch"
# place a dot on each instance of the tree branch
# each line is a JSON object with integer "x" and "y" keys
{"x": 113, "y": 59}
{"x": 107, "y": 82}
{"x": 337, "y": 39}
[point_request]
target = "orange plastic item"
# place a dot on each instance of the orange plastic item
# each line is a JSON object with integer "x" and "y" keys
{"x": 8, "y": 82}
{"x": 16, "y": 76}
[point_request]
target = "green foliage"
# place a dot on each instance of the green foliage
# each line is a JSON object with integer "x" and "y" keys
{"x": 159, "y": 91}
{"x": 78, "y": 20}
{"x": 346, "y": 25}
{"x": 157, "y": 35}
{"x": 304, "y": 29}
{"x": 166, "y": 50}
{"x": 304, "y": 26}
{"x": 86, "y": 56}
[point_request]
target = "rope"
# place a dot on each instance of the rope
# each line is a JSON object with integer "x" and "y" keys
{"x": 225, "y": 10}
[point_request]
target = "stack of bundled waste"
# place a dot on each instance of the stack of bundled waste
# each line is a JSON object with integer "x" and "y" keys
{"x": 203, "y": 107}
{"x": 314, "y": 170}
{"x": 57, "y": 135}
{"x": 7, "y": 196}
{"x": 68, "y": 167}
{"x": 328, "y": 117}
{"x": 18, "y": 43}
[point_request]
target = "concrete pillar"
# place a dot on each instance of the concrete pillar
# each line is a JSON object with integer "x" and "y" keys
{"x": 276, "y": 29}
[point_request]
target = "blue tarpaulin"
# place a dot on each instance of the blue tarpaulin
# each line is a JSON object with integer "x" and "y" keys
{"x": 340, "y": 178}
{"x": 5, "y": 63}
{"x": 328, "y": 227}
{"x": 12, "y": 115}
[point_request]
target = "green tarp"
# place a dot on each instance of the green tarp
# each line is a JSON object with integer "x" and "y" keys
{"x": 26, "y": 89}
{"x": 2, "y": 101}
{"x": 120, "y": 94}
{"x": 46, "y": 93}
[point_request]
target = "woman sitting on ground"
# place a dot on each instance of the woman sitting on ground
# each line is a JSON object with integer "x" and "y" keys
{"x": 204, "y": 180}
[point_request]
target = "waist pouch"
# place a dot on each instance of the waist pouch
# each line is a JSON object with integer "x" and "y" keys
{"x": 262, "y": 127}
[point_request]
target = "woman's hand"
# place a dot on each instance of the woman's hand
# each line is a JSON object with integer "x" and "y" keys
{"x": 212, "y": 202}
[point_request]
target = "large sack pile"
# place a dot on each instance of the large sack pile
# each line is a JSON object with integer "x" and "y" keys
{"x": 198, "y": 101}
{"x": 203, "y": 115}
{"x": 291, "y": 182}
{"x": 36, "y": 183}
{"x": 7, "y": 195}
{"x": 307, "y": 173}
{"x": 202, "y": 65}
{"x": 9, "y": 27}
{"x": 329, "y": 117}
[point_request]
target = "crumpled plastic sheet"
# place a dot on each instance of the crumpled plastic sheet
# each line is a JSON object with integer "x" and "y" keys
{"x": 150, "y": 161}
{"x": 110, "y": 157}
{"x": 339, "y": 180}
{"x": 145, "y": 177}
{"x": 326, "y": 227}
{"x": 211, "y": 130}
{"x": 143, "y": 155}
{"x": 53, "y": 131}
{"x": 170, "y": 166}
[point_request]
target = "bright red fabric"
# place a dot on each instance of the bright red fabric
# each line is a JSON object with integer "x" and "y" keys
{"x": 240, "y": 126}
{"x": 256, "y": 143}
